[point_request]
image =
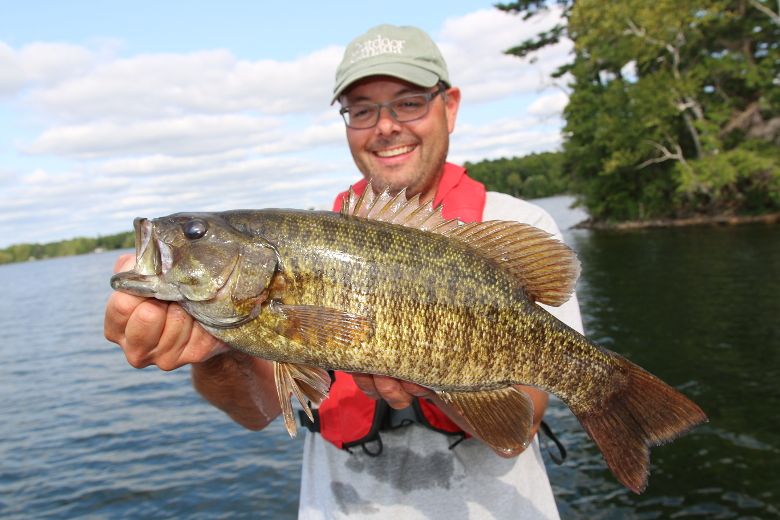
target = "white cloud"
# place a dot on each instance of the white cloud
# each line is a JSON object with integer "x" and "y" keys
{"x": 549, "y": 105}
{"x": 11, "y": 74}
{"x": 503, "y": 138}
{"x": 115, "y": 136}
{"x": 41, "y": 64}
{"x": 474, "y": 47}
{"x": 49, "y": 62}
{"x": 186, "y": 135}
{"x": 154, "y": 85}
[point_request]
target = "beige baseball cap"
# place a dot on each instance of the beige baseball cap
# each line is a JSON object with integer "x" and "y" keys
{"x": 404, "y": 52}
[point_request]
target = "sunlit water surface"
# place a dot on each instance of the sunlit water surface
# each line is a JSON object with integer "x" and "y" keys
{"x": 82, "y": 434}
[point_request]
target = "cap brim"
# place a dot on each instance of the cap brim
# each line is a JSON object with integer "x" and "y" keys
{"x": 407, "y": 72}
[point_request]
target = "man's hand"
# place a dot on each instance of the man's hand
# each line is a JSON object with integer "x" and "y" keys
{"x": 153, "y": 332}
{"x": 398, "y": 394}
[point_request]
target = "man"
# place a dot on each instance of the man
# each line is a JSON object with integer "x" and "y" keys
{"x": 399, "y": 108}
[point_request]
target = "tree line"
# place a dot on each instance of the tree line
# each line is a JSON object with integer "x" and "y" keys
{"x": 674, "y": 111}
{"x": 674, "y": 106}
{"x": 73, "y": 246}
{"x": 530, "y": 177}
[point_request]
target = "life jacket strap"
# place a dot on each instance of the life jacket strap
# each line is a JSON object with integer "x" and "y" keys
{"x": 385, "y": 420}
{"x": 548, "y": 434}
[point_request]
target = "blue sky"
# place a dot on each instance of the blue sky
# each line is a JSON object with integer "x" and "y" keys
{"x": 113, "y": 110}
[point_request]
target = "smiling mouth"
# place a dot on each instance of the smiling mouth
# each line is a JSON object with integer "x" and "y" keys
{"x": 393, "y": 152}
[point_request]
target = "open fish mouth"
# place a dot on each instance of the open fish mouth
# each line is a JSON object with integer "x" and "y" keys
{"x": 147, "y": 254}
{"x": 143, "y": 279}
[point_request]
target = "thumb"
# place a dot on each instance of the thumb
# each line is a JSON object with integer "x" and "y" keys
{"x": 125, "y": 262}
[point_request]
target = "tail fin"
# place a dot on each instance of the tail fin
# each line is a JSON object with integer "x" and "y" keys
{"x": 646, "y": 412}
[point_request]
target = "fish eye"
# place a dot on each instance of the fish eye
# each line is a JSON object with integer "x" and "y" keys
{"x": 195, "y": 229}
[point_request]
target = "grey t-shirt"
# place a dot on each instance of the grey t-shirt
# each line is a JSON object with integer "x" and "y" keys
{"x": 417, "y": 476}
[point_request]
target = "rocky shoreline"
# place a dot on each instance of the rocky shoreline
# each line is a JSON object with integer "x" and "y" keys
{"x": 715, "y": 220}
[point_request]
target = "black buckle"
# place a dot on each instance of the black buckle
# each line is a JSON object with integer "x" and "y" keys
{"x": 313, "y": 427}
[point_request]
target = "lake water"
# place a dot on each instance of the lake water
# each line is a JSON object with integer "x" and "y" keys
{"x": 82, "y": 434}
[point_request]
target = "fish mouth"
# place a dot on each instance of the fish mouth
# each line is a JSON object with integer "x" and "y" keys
{"x": 147, "y": 254}
{"x": 143, "y": 279}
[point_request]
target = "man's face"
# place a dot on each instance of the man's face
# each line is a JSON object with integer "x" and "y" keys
{"x": 402, "y": 155}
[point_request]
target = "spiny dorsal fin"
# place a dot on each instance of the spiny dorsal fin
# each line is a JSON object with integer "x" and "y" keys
{"x": 397, "y": 210}
{"x": 545, "y": 267}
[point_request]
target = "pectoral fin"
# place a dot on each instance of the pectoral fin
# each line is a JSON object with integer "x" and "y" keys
{"x": 320, "y": 326}
{"x": 305, "y": 383}
{"x": 502, "y": 418}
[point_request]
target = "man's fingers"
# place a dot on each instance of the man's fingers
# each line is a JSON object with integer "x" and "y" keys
{"x": 416, "y": 390}
{"x": 201, "y": 346}
{"x": 185, "y": 342}
{"x": 119, "y": 309}
{"x": 174, "y": 338}
{"x": 365, "y": 382}
{"x": 398, "y": 394}
{"x": 143, "y": 331}
{"x": 125, "y": 262}
{"x": 390, "y": 390}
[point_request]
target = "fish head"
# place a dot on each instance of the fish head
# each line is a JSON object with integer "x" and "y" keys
{"x": 197, "y": 257}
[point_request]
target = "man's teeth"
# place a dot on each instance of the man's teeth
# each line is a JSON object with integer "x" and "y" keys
{"x": 395, "y": 151}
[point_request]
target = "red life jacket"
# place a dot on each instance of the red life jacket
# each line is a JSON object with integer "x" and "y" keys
{"x": 348, "y": 417}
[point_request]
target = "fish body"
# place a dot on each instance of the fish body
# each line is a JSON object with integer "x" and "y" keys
{"x": 440, "y": 315}
{"x": 389, "y": 287}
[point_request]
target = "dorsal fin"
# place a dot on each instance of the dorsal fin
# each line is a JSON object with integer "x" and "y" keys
{"x": 545, "y": 267}
{"x": 397, "y": 210}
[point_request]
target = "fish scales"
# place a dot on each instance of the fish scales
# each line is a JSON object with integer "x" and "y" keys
{"x": 425, "y": 293}
{"x": 453, "y": 309}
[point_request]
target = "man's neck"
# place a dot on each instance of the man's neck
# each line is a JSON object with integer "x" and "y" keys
{"x": 429, "y": 192}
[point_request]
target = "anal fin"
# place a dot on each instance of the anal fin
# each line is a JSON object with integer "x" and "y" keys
{"x": 502, "y": 418}
{"x": 305, "y": 383}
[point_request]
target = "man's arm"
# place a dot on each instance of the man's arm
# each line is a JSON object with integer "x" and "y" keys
{"x": 152, "y": 332}
{"x": 240, "y": 385}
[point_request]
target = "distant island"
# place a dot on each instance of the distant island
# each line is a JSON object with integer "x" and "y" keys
{"x": 73, "y": 246}
{"x": 535, "y": 175}
{"x": 532, "y": 176}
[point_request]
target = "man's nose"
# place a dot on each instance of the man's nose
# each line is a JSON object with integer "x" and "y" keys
{"x": 387, "y": 123}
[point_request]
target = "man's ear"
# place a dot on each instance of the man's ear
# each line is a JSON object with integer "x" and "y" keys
{"x": 451, "y": 105}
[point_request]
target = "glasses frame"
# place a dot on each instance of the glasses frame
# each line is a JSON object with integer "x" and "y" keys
{"x": 429, "y": 96}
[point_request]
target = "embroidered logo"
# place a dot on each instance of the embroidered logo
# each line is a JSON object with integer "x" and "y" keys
{"x": 375, "y": 47}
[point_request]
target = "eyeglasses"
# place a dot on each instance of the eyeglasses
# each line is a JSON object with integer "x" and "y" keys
{"x": 403, "y": 109}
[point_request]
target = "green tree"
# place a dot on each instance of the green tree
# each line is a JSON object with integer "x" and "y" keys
{"x": 73, "y": 246}
{"x": 532, "y": 176}
{"x": 674, "y": 106}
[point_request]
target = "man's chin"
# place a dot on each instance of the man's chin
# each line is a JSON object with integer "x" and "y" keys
{"x": 393, "y": 185}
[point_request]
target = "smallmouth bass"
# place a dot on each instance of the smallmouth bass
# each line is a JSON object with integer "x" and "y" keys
{"x": 389, "y": 287}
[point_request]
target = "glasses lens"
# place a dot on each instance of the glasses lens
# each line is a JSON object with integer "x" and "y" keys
{"x": 409, "y": 108}
{"x": 361, "y": 116}
{"x": 403, "y": 109}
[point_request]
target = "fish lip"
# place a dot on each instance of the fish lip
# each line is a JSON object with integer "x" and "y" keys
{"x": 147, "y": 254}
{"x": 136, "y": 284}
